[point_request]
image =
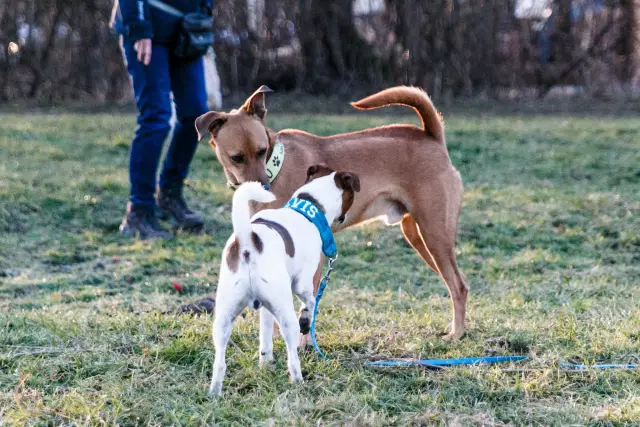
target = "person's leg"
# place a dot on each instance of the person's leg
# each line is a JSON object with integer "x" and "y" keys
{"x": 190, "y": 98}
{"x": 152, "y": 90}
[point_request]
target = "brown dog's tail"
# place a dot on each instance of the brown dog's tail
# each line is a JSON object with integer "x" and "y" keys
{"x": 410, "y": 97}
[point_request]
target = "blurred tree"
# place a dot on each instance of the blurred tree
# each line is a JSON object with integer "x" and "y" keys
{"x": 632, "y": 10}
{"x": 56, "y": 50}
{"x": 334, "y": 54}
{"x": 60, "y": 50}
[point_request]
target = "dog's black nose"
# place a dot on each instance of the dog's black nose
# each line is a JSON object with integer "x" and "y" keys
{"x": 266, "y": 186}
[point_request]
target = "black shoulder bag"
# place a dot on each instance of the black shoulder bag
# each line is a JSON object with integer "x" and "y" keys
{"x": 196, "y": 31}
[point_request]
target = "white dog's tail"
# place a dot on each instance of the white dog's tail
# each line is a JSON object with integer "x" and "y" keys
{"x": 240, "y": 212}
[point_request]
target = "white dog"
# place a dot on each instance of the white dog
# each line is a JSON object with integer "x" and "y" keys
{"x": 274, "y": 253}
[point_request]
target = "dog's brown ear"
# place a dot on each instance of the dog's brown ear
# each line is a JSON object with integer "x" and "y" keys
{"x": 209, "y": 122}
{"x": 317, "y": 171}
{"x": 255, "y": 105}
{"x": 313, "y": 170}
{"x": 347, "y": 181}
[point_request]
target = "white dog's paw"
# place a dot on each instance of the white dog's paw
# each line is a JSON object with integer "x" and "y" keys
{"x": 215, "y": 390}
{"x": 266, "y": 357}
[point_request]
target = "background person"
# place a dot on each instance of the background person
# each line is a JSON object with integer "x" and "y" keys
{"x": 149, "y": 35}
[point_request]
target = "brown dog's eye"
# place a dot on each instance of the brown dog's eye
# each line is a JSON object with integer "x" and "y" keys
{"x": 238, "y": 158}
{"x": 261, "y": 153}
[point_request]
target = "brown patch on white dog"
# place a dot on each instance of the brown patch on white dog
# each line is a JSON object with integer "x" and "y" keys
{"x": 309, "y": 197}
{"x": 233, "y": 255}
{"x": 289, "y": 247}
{"x": 257, "y": 242}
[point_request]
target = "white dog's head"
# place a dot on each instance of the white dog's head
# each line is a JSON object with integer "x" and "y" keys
{"x": 333, "y": 192}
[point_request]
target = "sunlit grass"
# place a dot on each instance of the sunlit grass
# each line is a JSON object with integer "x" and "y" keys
{"x": 549, "y": 241}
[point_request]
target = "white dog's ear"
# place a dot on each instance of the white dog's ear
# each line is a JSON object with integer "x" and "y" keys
{"x": 317, "y": 171}
{"x": 210, "y": 122}
{"x": 347, "y": 181}
{"x": 255, "y": 105}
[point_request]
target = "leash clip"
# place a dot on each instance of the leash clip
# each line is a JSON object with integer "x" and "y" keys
{"x": 325, "y": 279}
{"x": 330, "y": 266}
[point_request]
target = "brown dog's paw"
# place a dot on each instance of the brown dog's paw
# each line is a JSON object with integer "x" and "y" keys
{"x": 452, "y": 336}
{"x": 305, "y": 343}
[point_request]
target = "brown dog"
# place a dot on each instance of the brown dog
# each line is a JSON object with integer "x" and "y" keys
{"x": 405, "y": 173}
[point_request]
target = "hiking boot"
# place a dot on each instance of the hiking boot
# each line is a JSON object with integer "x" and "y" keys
{"x": 172, "y": 204}
{"x": 143, "y": 223}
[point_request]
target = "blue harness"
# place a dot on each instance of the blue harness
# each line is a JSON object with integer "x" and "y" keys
{"x": 310, "y": 211}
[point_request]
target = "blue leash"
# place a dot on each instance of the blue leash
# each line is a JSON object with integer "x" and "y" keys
{"x": 411, "y": 362}
{"x": 580, "y": 367}
{"x": 441, "y": 363}
{"x": 323, "y": 284}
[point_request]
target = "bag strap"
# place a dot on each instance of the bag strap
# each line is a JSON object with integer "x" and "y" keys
{"x": 166, "y": 8}
{"x": 172, "y": 10}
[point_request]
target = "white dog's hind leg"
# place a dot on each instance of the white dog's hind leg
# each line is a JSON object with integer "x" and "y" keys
{"x": 225, "y": 314}
{"x": 290, "y": 329}
{"x": 266, "y": 336}
{"x": 221, "y": 335}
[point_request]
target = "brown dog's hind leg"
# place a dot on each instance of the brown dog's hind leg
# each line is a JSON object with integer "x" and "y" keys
{"x": 413, "y": 237}
{"x": 438, "y": 252}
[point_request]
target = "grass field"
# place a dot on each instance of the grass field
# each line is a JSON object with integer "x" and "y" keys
{"x": 549, "y": 241}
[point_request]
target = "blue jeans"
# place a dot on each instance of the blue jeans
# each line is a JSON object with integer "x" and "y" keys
{"x": 152, "y": 86}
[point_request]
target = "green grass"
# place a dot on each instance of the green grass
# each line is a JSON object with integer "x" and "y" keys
{"x": 549, "y": 240}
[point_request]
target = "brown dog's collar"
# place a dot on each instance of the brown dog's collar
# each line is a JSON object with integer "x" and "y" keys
{"x": 275, "y": 161}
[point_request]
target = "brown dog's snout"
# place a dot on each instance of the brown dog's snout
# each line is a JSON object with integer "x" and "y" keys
{"x": 258, "y": 173}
